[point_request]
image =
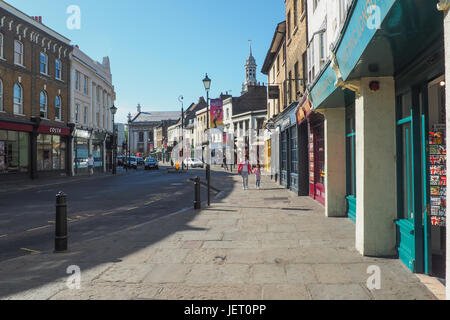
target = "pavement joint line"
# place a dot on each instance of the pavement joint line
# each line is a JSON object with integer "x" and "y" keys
{"x": 38, "y": 228}
{"x": 31, "y": 250}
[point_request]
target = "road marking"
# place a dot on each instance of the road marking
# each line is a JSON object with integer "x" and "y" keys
{"x": 51, "y": 221}
{"x": 3, "y": 236}
{"x": 30, "y": 250}
{"x": 38, "y": 228}
{"x": 90, "y": 215}
{"x": 134, "y": 208}
{"x": 107, "y": 213}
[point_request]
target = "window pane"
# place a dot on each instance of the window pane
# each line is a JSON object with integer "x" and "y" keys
{"x": 24, "y": 142}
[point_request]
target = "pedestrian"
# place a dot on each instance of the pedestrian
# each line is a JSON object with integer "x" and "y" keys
{"x": 225, "y": 166}
{"x": 244, "y": 170}
{"x": 257, "y": 173}
{"x": 91, "y": 165}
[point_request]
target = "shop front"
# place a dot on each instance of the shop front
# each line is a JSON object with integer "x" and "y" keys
{"x": 14, "y": 148}
{"x": 51, "y": 149}
{"x": 81, "y": 151}
{"x": 383, "y": 97}
{"x": 98, "y": 150}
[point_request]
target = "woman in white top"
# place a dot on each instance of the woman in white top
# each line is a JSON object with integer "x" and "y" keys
{"x": 91, "y": 165}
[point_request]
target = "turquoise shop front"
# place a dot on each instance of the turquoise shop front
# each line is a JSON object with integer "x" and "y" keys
{"x": 409, "y": 47}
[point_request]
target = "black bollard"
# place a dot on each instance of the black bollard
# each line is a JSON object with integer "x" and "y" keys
{"x": 208, "y": 177}
{"x": 61, "y": 222}
{"x": 197, "y": 201}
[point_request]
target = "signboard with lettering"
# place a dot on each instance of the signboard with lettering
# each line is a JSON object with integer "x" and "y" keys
{"x": 54, "y": 130}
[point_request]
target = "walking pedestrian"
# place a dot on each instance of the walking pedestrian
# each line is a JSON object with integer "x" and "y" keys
{"x": 91, "y": 165}
{"x": 257, "y": 173}
{"x": 225, "y": 166}
{"x": 244, "y": 170}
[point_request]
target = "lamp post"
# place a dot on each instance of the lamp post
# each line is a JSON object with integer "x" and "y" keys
{"x": 207, "y": 84}
{"x": 128, "y": 143}
{"x": 113, "y": 112}
{"x": 180, "y": 98}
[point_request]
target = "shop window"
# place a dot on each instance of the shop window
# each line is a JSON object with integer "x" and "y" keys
{"x": 14, "y": 151}
{"x": 51, "y": 153}
{"x": 294, "y": 150}
{"x": 18, "y": 99}
{"x": 43, "y": 103}
{"x": 58, "y": 108}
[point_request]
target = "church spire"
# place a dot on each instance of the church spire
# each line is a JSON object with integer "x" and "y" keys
{"x": 250, "y": 71}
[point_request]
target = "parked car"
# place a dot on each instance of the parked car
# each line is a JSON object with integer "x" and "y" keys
{"x": 193, "y": 163}
{"x": 133, "y": 163}
{"x": 151, "y": 163}
{"x": 120, "y": 160}
{"x": 140, "y": 161}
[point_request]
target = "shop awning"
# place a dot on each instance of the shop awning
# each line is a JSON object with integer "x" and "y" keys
{"x": 406, "y": 29}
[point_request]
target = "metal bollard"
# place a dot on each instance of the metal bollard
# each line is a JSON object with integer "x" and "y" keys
{"x": 197, "y": 201}
{"x": 61, "y": 222}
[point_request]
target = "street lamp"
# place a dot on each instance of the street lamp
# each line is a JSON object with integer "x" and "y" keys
{"x": 180, "y": 98}
{"x": 207, "y": 84}
{"x": 113, "y": 112}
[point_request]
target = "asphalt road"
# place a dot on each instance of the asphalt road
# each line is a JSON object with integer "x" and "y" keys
{"x": 95, "y": 208}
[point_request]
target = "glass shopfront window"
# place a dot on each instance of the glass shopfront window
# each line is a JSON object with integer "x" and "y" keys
{"x": 97, "y": 153}
{"x": 14, "y": 151}
{"x": 51, "y": 153}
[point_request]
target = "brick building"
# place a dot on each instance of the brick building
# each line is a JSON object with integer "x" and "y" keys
{"x": 34, "y": 97}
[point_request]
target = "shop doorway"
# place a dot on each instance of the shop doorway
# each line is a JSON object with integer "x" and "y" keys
{"x": 422, "y": 178}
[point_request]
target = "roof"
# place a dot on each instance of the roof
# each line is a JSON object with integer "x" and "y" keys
{"x": 253, "y": 100}
{"x": 155, "y": 116}
{"x": 278, "y": 37}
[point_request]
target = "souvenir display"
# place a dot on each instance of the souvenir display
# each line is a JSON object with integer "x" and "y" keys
{"x": 438, "y": 176}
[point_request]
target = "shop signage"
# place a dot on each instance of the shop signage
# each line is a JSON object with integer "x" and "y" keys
{"x": 303, "y": 111}
{"x": 54, "y": 130}
{"x": 274, "y": 92}
{"x": 82, "y": 134}
{"x": 16, "y": 126}
{"x": 364, "y": 23}
{"x": 286, "y": 123}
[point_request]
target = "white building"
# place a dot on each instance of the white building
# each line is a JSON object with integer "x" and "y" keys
{"x": 92, "y": 96}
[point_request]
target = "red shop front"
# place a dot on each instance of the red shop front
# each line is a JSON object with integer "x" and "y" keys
{"x": 316, "y": 157}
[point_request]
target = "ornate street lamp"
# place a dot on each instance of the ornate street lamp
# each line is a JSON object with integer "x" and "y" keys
{"x": 113, "y": 112}
{"x": 207, "y": 84}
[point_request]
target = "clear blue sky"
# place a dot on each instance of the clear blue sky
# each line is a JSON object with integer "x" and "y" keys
{"x": 161, "y": 49}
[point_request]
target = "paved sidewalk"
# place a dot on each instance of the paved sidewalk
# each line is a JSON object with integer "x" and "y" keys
{"x": 256, "y": 244}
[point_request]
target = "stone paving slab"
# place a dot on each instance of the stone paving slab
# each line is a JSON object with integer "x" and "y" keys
{"x": 255, "y": 244}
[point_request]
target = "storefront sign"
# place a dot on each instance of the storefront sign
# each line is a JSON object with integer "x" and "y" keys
{"x": 82, "y": 134}
{"x": 274, "y": 92}
{"x": 364, "y": 23}
{"x": 303, "y": 111}
{"x": 16, "y": 126}
{"x": 323, "y": 88}
{"x": 54, "y": 130}
{"x": 286, "y": 123}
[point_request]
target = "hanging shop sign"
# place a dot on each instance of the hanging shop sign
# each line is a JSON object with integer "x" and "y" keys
{"x": 274, "y": 92}
{"x": 303, "y": 111}
{"x": 54, "y": 130}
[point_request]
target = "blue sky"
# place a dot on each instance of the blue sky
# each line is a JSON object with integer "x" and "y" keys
{"x": 161, "y": 49}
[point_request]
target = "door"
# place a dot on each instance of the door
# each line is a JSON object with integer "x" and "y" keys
{"x": 410, "y": 183}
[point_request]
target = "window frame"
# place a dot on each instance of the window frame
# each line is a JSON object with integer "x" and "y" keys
{"x": 45, "y": 72}
{"x": 58, "y": 62}
{"x": 18, "y": 103}
{"x": 1, "y": 95}
{"x": 19, "y": 55}
{"x": 2, "y": 38}
{"x": 60, "y": 108}
{"x": 46, "y": 104}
